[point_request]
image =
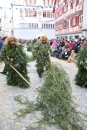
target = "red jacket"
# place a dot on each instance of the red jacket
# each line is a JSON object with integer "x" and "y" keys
{"x": 71, "y": 45}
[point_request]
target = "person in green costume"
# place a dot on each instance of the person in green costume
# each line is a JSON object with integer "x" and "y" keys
{"x": 81, "y": 61}
{"x": 13, "y": 53}
{"x": 41, "y": 54}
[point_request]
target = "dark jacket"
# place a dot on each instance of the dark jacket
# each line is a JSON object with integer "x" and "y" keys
{"x": 1, "y": 44}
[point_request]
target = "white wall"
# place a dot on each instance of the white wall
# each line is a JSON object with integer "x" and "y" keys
{"x": 33, "y": 33}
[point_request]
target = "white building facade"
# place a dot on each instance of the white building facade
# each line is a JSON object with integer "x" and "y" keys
{"x": 32, "y": 16}
{"x": 5, "y": 18}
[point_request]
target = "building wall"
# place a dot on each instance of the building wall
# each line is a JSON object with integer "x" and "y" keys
{"x": 33, "y": 2}
{"x": 68, "y": 18}
{"x": 33, "y": 33}
{"x": 26, "y": 20}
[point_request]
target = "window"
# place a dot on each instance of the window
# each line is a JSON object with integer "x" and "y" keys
{"x": 42, "y": 25}
{"x": 80, "y": 18}
{"x": 60, "y": 26}
{"x": 43, "y": 2}
{"x": 34, "y": 13}
{"x": 52, "y": 15}
{"x": 34, "y": 2}
{"x": 51, "y": 2}
{"x": 71, "y": 4}
{"x": 65, "y": 8}
{"x": 30, "y": 2}
{"x": 44, "y": 14}
{"x": 26, "y": 13}
{"x": 49, "y": 25}
{"x": 48, "y": 2}
{"x": 73, "y": 21}
{"x": 26, "y": 1}
{"x": 46, "y": 25}
{"x": 65, "y": 24}
{"x": 30, "y": 13}
{"x": 48, "y": 14}
{"x": 21, "y": 11}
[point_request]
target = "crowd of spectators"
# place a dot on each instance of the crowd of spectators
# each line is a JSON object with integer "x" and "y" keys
{"x": 66, "y": 49}
{"x": 61, "y": 49}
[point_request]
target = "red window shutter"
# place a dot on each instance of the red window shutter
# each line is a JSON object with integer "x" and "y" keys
{"x": 71, "y": 5}
{"x": 77, "y": 20}
{"x": 62, "y": 10}
{"x": 77, "y": 2}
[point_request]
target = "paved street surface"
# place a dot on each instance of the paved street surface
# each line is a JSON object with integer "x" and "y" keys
{"x": 8, "y": 106}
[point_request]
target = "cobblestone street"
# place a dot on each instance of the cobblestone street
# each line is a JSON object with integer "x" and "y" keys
{"x": 8, "y": 105}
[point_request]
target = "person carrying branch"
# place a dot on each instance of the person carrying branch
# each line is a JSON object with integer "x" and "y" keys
{"x": 13, "y": 54}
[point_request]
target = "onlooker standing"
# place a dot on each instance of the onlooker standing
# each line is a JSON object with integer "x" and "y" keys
{"x": 54, "y": 44}
{"x": 2, "y": 42}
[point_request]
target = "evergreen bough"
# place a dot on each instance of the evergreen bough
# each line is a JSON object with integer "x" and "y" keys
{"x": 29, "y": 45}
{"x": 81, "y": 59}
{"x": 41, "y": 55}
{"x": 16, "y": 57}
{"x": 55, "y": 102}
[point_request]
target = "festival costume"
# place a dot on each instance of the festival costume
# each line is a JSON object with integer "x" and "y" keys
{"x": 15, "y": 56}
{"x": 41, "y": 53}
{"x": 81, "y": 60}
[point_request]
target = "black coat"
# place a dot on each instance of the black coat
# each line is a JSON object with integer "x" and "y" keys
{"x": 1, "y": 44}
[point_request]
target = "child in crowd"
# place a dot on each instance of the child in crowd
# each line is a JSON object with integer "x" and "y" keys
{"x": 72, "y": 57}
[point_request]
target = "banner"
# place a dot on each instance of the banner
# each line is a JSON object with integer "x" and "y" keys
{"x": 34, "y": 7}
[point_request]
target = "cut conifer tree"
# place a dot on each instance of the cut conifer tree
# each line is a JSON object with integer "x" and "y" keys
{"x": 55, "y": 101}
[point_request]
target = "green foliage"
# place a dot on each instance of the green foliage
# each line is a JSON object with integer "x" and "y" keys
{"x": 35, "y": 50}
{"x": 30, "y": 45}
{"x": 30, "y": 106}
{"x": 56, "y": 102}
{"x": 81, "y": 58}
{"x": 30, "y": 58}
{"x": 35, "y": 128}
{"x": 41, "y": 54}
{"x": 31, "y": 128}
{"x": 16, "y": 57}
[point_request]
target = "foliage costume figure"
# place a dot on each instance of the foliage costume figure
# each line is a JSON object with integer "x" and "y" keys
{"x": 41, "y": 54}
{"x": 81, "y": 59}
{"x": 12, "y": 53}
{"x": 54, "y": 99}
{"x": 29, "y": 45}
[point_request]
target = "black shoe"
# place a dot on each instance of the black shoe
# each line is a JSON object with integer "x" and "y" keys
{"x": 3, "y": 73}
